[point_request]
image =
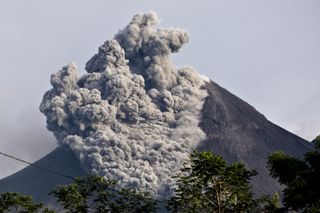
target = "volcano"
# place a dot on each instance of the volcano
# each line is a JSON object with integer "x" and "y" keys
{"x": 235, "y": 131}
{"x": 135, "y": 117}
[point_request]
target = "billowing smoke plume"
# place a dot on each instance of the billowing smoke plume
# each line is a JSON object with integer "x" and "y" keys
{"x": 134, "y": 116}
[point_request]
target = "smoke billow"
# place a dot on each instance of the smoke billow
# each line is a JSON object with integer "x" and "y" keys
{"x": 134, "y": 116}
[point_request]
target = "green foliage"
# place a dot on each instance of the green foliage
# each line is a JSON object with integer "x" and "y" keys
{"x": 300, "y": 177}
{"x": 96, "y": 194}
{"x": 207, "y": 183}
{"x": 14, "y": 202}
{"x": 269, "y": 204}
{"x": 131, "y": 200}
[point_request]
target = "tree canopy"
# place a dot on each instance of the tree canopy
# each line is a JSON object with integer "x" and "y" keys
{"x": 15, "y": 202}
{"x": 301, "y": 178}
{"x": 97, "y": 194}
{"x": 207, "y": 183}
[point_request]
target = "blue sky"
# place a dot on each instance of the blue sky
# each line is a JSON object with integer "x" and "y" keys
{"x": 266, "y": 52}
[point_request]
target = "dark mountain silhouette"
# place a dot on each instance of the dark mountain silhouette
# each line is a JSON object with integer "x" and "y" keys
{"x": 238, "y": 132}
{"x": 235, "y": 130}
{"x": 37, "y": 182}
{"x": 313, "y": 142}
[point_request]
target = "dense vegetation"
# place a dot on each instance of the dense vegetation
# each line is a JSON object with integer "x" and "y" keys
{"x": 206, "y": 183}
{"x": 300, "y": 177}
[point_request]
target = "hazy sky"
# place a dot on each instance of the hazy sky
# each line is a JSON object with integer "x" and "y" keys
{"x": 266, "y": 52}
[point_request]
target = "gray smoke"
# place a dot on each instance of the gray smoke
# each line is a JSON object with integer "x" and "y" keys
{"x": 134, "y": 116}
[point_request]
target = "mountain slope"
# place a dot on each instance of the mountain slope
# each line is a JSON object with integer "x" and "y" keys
{"x": 238, "y": 132}
{"x": 38, "y": 183}
{"x": 234, "y": 130}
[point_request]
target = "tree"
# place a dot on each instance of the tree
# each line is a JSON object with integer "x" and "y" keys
{"x": 208, "y": 184}
{"x": 14, "y": 202}
{"x": 300, "y": 177}
{"x": 269, "y": 204}
{"x": 97, "y": 194}
{"x": 86, "y": 194}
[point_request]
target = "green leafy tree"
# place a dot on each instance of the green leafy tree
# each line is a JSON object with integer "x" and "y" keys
{"x": 300, "y": 177}
{"x": 208, "y": 184}
{"x": 269, "y": 204}
{"x": 96, "y": 194}
{"x": 15, "y": 202}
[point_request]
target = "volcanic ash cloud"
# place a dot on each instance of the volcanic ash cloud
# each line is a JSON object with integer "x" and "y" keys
{"x": 134, "y": 116}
